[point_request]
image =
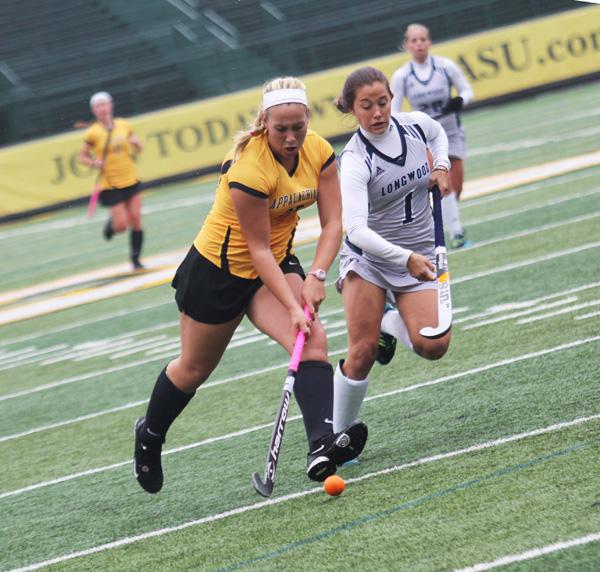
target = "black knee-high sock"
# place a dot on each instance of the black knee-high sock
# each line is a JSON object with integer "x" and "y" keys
{"x": 166, "y": 403}
{"x": 136, "y": 239}
{"x": 314, "y": 393}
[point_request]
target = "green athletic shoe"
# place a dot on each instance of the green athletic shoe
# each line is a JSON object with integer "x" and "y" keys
{"x": 459, "y": 241}
{"x": 387, "y": 343}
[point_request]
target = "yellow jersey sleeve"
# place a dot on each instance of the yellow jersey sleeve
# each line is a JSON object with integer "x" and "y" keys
{"x": 248, "y": 175}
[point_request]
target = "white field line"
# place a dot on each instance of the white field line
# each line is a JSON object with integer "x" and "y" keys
{"x": 512, "y": 315}
{"x": 32, "y": 357}
{"x": 569, "y": 177}
{"x": 132, "y": 404}
{"x": 81, "y": 323}
{"x": 560, "y": 312}
{"x": 143, "y": 347}
{"x": 161, "y": 269}
{"x": 533, "y": 553}
{"x": 528, "y": 232}
{"x": 526, "y": 303}
{"x": 130, "y": 347}
{"x": 82, "y": 220}
{"x": 526, "y": 209}
{"x": 307, "y": 227}
{"x": 157, "y": 277}
{"x": 528, "y": 175}
{"x": 63, "y": 302}
{"x": 25, "y": 352}
{"x": 513, "y": 145}
{"x": 459, "y": 280}
{"x": 72, "y": 421}
{"x": 125, "y": 541}
{"x": 501, "y": 363}
{"x": 587, "y": 316}
{"x": 528, "y": 262}
{"x": 156, "y": 263}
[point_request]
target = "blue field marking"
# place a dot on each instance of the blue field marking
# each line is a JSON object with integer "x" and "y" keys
{"x": 287, "y": 548}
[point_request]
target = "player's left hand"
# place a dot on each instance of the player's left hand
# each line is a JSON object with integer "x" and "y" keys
{"x": 454, "y": 104}
{"x": 313, "y": 293}
{"x": 439, "y": 178}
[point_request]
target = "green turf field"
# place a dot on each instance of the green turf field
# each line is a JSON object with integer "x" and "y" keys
{"x": 483, "y": 456}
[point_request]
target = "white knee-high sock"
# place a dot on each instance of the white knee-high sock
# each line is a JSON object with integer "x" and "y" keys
{"x": 450, "y": 215}
{"x": 348, "y": 395}
{"x": 393, "y": 324}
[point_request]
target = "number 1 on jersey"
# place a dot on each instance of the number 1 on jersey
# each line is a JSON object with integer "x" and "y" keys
{"x": 408, "y": 215}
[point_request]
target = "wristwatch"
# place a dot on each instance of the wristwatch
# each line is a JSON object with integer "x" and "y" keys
{"x": 319, "y": 274}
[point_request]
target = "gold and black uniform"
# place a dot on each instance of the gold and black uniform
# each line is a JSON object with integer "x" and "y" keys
{"x": 118, "y": 178}
{"x": 220, "y": 254}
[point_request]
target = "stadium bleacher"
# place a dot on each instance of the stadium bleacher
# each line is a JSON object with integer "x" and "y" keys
{"x": 152, "y": 54}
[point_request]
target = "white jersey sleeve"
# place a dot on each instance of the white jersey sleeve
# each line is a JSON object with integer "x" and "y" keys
{"x": 354, "y": 179}
{"x": 397, "y": 85}
{"x": 437, "y": 140}
{"x": 459, "y": 81}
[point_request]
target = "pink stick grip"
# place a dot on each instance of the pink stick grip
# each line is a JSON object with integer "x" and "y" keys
{"x": 92, "y": 203}
{"x": 298, "y": 346}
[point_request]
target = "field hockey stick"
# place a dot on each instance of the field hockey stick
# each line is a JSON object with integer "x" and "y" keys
{"x": 94, "y": 197}
{"x": 97, "y": 187}
{"x": 264, "y": 486}
{"x": 444, "y": 299}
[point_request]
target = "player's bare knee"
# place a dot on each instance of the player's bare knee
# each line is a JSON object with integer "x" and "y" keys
{"x": 190, "y": 375}
{"x": 431, "y": 349}
{"x": 119, "y": 225}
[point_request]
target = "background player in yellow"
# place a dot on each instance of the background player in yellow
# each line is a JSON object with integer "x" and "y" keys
{"x": 109, "y": 144}
{"x": 242, "y": 263}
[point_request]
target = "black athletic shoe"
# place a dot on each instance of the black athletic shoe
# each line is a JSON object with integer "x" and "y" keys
{"x": 137, "y": 265}
{"x": 386, "y": 348}
{"x": 387, "y": 343}
{"x": 108, "y": 231}
{"x": 334, "y": 450}
{"x": 146, "y": 461}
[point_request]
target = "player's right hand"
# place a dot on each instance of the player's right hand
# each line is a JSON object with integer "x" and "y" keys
{"x": 420, "y": 267}
{"x": 300, "y": 321}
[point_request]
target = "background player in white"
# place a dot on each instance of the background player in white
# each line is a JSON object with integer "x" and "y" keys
{"x": 385, "y": 177}
{"x": 427, "y": 82}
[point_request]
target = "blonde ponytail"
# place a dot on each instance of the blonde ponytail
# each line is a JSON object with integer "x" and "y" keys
{"x": 257, "y": 128}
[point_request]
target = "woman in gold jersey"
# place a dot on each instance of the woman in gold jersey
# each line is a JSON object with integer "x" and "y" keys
{"x": 242, "y": 263}
{"x": 108, "y": 146}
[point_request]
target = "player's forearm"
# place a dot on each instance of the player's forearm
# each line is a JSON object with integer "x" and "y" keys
{"x": 371, "y": 243}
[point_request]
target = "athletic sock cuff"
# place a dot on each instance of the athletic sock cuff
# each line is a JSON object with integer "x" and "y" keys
{"x": 353, "y": 382}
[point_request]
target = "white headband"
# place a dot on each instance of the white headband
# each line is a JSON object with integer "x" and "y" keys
{"x": 100, "y": 96}
{"x": 279, "y": 96}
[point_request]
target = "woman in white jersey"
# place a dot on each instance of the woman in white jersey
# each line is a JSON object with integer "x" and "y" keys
{"x": 427, "y": 82}
{"x": 385, "y": 178}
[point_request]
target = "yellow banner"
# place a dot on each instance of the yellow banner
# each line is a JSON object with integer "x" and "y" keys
{"x": 193, "y": 136}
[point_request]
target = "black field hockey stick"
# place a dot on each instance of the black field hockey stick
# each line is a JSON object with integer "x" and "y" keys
{"x": 444, "y": 299}
{"x": 264, "y": 486}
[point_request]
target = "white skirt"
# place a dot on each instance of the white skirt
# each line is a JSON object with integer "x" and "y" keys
{"x": 457, "y": 143}
{"x": 399, "y": 281}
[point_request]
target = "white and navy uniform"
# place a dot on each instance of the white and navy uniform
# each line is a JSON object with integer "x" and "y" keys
{"x": 428, "y": 88}
{"x": 386, "y": 210}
